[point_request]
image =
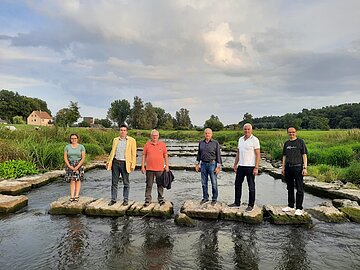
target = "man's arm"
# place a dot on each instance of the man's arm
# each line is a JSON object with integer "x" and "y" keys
{"x": 166, "y": 162}
{"x": 143, "y": 170}
{"x": 236, "y": 160}
{"x": 283, "y": 165}
{"x": 304, "y": 171}
{"x": 257, "y": 161}
{"x": 133, "y": 156}
{"x": 198, "y": 159}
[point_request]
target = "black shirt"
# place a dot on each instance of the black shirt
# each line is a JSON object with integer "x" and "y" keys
{"x": 294, "y": 150}
{"x": 209, "y": 151}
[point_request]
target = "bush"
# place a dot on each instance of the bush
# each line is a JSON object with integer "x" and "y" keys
{"x": 93, "y": 149}
{"x": 10, "y": 150}
{"x": 338, "y": 156}
{"x": 17, "y": 168}
{"x": 352, "y": 173}
{"x": 325, "y": 173}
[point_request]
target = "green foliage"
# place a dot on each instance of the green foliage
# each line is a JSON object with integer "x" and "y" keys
{"x": 214, "y": 123}
{"x": 10, "y": 150}
{"x": 84, "y": 124}
{"x": 182, "y": 119}
{"x": 66, "y": 117}
{"x": 324, "y": 172}
{"x": 17, "y": 168}
{"x": 93, "y": 149}
{"x": 106, "y": 123}
{"x": 18, "y": 120}
{"x": 352, "y": 173}
{"x": 119, "y": 111}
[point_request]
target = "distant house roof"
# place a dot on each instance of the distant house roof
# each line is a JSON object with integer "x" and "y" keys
{"x": 42, "y": 114}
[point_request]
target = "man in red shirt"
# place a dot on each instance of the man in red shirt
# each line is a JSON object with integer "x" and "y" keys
{"x": 156, "y": 158}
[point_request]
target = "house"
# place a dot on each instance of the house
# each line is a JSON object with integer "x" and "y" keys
{"x": 89, "y": 120}
{"x": 39, "y": 118}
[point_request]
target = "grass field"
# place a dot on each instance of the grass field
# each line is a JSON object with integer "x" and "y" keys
{"x": 333, "y": 155}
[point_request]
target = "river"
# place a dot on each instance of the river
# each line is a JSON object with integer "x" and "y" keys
{"x": 33, "y": 239}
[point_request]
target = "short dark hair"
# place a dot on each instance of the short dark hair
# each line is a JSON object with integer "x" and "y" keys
{"x": 74, "y": 134}
{"x": 291, "y": 127}
{"x": 124, "y": 125}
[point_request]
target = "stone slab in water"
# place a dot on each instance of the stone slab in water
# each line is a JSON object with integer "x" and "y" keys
{"x": 182, "y": 219}
{"x": 194, "y": 209}
{"x": 338, "y": 203}
{"x": 353, "y": 213}
{"x": 239, "y": 214}
{"x": 10, "y": 204}
{"x": 328, "y": 213}
{"x": 14, "y": 187}
{"x": 280, "y": 217}
{"x": 100, "y": 207}
{"x": 64, "y": 207}
{"x": 42, "y": 179}
{"x": 153, "y": 210}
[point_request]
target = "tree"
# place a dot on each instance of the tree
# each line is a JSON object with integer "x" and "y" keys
{"x": 214, "y": 123}
{"x": 106, "y": 123}
{"x": 119, "y": 111}
{"x": 66, "y": 117}
{"x": 18, "y": 120}
{"x": 164, "y": 119}
{"x": 150, "y": 117}
{"x": 182, "y": 119}
{"x": 84, "y": 124}
{"x": 137, "y": 118}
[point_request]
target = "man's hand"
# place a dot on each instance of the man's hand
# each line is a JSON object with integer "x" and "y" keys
{"x": 304, "y": 172}
{"x": 235, "y": 167}
{"x": 143, "y": 170}
{"x": 197, "y": 167}
{"x": 167, "y": 168}
{"x": 282, "y": 171}
{"x": 217, "y": 170}
{"x": 255, "y": 171}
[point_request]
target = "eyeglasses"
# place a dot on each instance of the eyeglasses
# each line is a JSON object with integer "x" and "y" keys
{"x": 290, "y": 132}
{"x": 74, "y": 138}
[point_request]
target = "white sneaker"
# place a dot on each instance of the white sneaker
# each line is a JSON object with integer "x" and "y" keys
{"x": 298, "y": 212}
{"x": 288, "y": 209}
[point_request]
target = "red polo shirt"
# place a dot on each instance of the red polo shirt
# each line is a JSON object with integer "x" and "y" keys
{"x": 154, "y": 156}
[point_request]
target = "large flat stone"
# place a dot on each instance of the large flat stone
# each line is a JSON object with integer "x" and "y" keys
{"x": 328, "y": 213}
{"x": 280, "y": 217}
{"x": 182, "y": 219}
{"x": 153, "y": 210}
{"x": 353, "y": 213}
{"x": 10, "y": 204}
{"x": 194, "y": 209}
{"x": 100, "y": 207}
{"x": 239, "y": 214}
{"x": 64, "y": 207}
{"x": 42, "y": 179}
{"x": 14, "y": 187}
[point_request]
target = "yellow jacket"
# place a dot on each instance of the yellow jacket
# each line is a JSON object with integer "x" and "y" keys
{"x": 130, "y": 153}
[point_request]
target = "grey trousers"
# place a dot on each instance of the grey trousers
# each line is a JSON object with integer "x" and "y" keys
{"x": 119, "y": 167}
{"x": 150, "y": 175}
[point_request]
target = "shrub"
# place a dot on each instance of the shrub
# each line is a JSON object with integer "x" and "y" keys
{"x": 93, "y": 149}
{"x": 17, "y": 168}
{"x": 352, "y": 173}
{"x": 10, "y": 150}
{"x": 325, "y": 173}
{"x": 338, "y": 156}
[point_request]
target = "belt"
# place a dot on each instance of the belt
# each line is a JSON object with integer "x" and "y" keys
{"x": 209, "y": 162}
{"x": 119, "y": 160}
{"x": 293, "y": 165}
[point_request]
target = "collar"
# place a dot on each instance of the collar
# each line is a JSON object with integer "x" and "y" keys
{"x": 208, "y": 141}
{"x": 243, "y": 137}
{"x": 123, "y": 139}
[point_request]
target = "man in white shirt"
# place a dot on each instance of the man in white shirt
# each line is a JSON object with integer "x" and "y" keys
{"x": 246, "y": 164}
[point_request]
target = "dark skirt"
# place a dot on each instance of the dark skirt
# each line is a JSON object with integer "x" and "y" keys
{"x": 79, "y": 175}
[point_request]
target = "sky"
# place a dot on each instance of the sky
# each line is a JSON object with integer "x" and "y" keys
{"x": 225, "y": 58}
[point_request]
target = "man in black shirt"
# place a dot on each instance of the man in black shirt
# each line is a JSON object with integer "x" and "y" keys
{"x": 209, "y": 158}
{"x": 294, "y": 167}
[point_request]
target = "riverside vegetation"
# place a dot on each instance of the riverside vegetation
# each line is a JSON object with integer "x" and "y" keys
{"x": 333, "y": 155}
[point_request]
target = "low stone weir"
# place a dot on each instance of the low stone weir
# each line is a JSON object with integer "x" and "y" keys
{"x": 278, "y": 216}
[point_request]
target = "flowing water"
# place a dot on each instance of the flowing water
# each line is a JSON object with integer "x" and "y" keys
{"x": 33, "y": 239}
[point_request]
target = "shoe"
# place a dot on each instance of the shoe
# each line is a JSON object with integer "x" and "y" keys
{"x": 298, "y": 212}
{"x": 71, "y": 199}
{"x": 288, "y": 209}
{"x": 111, "y": 203}
{"x": 76, "y": 199}
{"x": 146, "y": 204}
{"x": 125, "y": 203}
{"x": 204, "y": 201}
{"x": 233, "y": 205}
{"x": 249, "y": 209}
{"x": 162, "y": 202}
{"x": 213, "y": 202}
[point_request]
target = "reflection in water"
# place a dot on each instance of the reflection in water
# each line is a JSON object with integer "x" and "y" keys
{"x": 158, "y": 245}
{"x": 245, "y": 249}
{"x": 208, "y": 249}
{"x": 294, "y": 256}
{"x": 117, "y": 244}
{"x": 71, "y": 247}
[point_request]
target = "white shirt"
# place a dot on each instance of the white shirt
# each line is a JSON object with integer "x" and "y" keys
{"x": 247, "y": 149}
{"x": 121, "y": 148}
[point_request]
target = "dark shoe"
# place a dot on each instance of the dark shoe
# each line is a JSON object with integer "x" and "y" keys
{"x": 213, "y": 202}
{"x": 249, "y": 209}
{"x": 125, "y": 203}
{"x": 162, "y": 202}
{"x": 71, "y": 199}
{"x": 233, "y": 205}
{"x": 76, "y": 199}
{"x": 146, "y": 204}
{"x": 204, "y": 201}
{"x": 111, "y": 203}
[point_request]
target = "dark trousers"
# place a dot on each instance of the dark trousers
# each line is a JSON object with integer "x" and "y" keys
{"x": 294, "y": 175}
{"x": 119, "y": 167}
{"x": 150, "y": 176}
{"x": 241, "y": 172}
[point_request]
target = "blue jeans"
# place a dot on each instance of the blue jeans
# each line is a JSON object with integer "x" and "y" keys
{"x": 119, "y": 167}
{"x": 208, "y": 169}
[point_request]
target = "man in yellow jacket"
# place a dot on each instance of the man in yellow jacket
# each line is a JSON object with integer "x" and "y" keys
{"x": 122, "y": 160}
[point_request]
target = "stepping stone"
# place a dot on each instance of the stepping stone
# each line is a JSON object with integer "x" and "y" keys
{"x": 353, "y": 213}
{"x": 165, "y": 210}
{"x": 135, "y": 208}
{"x": 280, "y": 217}
{"x": 10, "y": 204}
{"x": 14, "y": 187}
{"x": 338, "y": 203}
{"x": 328, "y": 213}
{"x": 64, "y": 207}
{"x": 182, "y": 219}
{"x": 239, "y": 214}
{"x": 206, "y": 210}
{"x": 100, "y": 207}
{"x": 153, "y": 210}
{"x": 42, "y": 179}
